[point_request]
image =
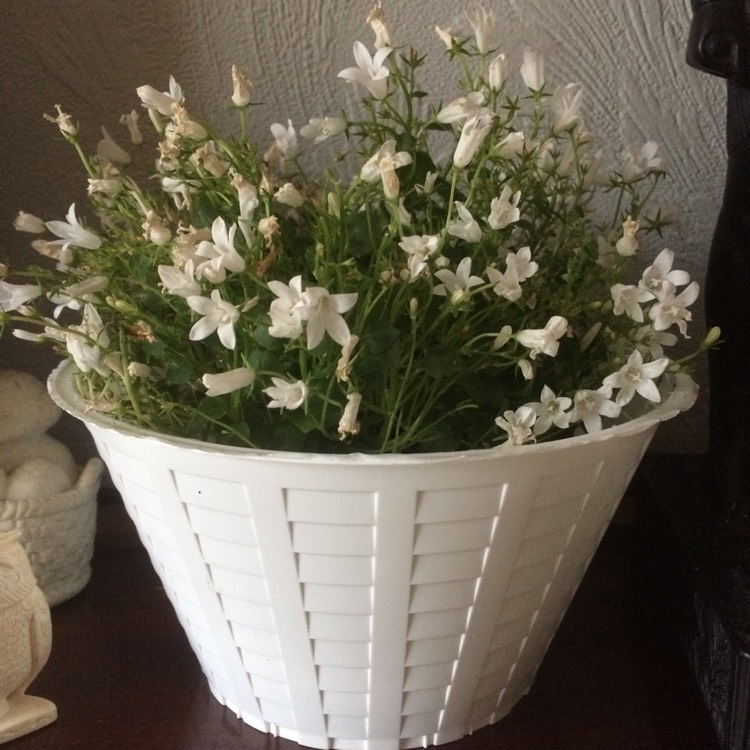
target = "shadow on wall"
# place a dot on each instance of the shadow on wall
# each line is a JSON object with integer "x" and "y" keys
{"x": 87, "y": 57}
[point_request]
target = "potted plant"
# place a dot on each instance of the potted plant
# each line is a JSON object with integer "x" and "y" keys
{"x": 371, "y": 418}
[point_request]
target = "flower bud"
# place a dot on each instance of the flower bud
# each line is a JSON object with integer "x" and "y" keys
{"x": 108, "y": 150}
{"x": 334, "y": 204}
{"x": 532, "y": 69}
{"x": 242, "y": 85}
{"x": 429, "y": 182}
{"x": 482, "y": 22}
{"x": 121, "y": 305}
{"x": 226, "y": 382}
{"x": 289, "y": 195}
{"x": 268, "y": 226}
{"x": 156, "y": 230}
{"x": 376, "y": 21}
{"x": 29, "y": 223}
{"x": 713, "y": 335}
{"x": 64, "y": 122}
{"x": 527, "y": 369}
{"x": 131, "y": 122}
{"x": 497, "y": 72}
{"x": 348, "y": 425}
{"x": 473, "y": 133}
{"x": 139, "y": 370}
{"x": 446, "y": 37}
{"x": 502, "y": 338}
{"x": 185, "y": 126}
{"x": 627, "y": 245}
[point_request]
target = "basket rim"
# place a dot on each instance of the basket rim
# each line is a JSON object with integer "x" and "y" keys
{"x": 78, "y": 497}
{"x": 681, "y": 393}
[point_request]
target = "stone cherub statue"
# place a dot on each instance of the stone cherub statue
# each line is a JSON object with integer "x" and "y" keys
{"x": 25, "y": 642}
{"x": 719, "y": 44}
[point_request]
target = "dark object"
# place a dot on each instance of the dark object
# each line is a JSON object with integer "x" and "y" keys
{"x": 705, "y": 590}
{"x": 719, "y": 43}
{"x": 706, "y": 509}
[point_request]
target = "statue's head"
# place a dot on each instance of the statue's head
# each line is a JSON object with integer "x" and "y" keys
{"x": 719, "y": 40}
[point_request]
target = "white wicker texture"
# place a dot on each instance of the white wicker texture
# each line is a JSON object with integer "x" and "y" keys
{"x": 57, "y": 533}
{"x": 371, "y": 603}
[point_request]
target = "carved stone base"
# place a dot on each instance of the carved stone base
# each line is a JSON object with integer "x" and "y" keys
{"x": 704, "y": 571}
{"x": 25, "y": 714}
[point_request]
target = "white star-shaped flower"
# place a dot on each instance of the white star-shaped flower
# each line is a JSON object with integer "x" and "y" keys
{"x": 635, "y": 376}
{"x": 73, "y": 296}
{"x": 517, "y": 424}
{"x": 551, "y": 410}
{"x": 322, "y": 128}
{"x": 72, "y": 234}
{"x": 162, "y": 102}
{"x": 371, "y": 71}
{"x": 590, "y": 406}
{"x": 12, "y": 296}
{"x": 383, "y": 165}
{"x": 180, "y": 281}
{"x": 504, "y": 209}
{"x": 285, "y": 395}
{"x": 220, "y": 254}
{"x": 286, "y": 320}
{"x": 462, "y": 108}
{"x": 627, "y": 299}
{"x": 657, "y": 277}
{"x": 323, "y": 313}
{"x": 419, "y": 248}
{"x": 640, "y": 160}
{"x": 86, "y": 341}
{"x": 566, "y": 106}
{"x": 651, "y": 342}
{"x": 544, "y": 340}
{"x": 457, "y": 285}
{"x": 218, "y": 315}
{"x": 672, "y": 308}
{"x": 465, "y": 227}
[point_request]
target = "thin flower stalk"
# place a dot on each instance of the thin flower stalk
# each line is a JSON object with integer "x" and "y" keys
{"x": 481, "y": 292}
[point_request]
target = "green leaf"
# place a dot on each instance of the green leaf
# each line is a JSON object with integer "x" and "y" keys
{"x": 381, "y": 336}
{"x": 439, "y": 364}
{"x": 359, "y": 226}
{"x": 179, "y": 371}
{"x": 214, "y": 407}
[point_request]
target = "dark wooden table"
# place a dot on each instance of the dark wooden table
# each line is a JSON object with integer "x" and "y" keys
{"x": 123, "y": 677}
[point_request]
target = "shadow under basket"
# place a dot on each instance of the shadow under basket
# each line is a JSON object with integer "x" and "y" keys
{"x": 370, "y": 602}
{"x": 57, "y": 533}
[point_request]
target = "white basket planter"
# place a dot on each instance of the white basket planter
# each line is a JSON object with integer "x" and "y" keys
{"x": 57, "y": 533}
{"x": 370, "y": 602}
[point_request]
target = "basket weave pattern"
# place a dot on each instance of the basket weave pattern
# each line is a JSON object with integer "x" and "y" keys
{"x": 57, "y": 533}
{"x": 400, "y": 613}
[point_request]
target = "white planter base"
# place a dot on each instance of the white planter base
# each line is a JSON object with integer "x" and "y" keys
{"x": 370, "y": 603}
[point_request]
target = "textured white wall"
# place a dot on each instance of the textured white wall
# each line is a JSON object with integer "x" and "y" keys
{"x": 89, "y": 56}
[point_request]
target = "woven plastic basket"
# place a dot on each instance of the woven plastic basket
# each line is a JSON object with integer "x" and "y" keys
{"x": 57, "y": 533}
{"x": 370, "y": 602}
